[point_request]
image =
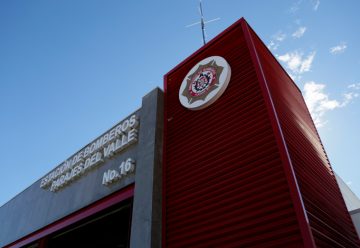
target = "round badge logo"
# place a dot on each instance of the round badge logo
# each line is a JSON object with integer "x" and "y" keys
{"x": 205, "y": 83}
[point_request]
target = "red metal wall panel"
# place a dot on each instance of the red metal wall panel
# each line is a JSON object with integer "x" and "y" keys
{"x": 329, "y": 219}
{"x": 224, "y": 180}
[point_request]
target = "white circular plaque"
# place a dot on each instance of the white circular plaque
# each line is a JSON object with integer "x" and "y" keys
{"x": 205, "y": 83}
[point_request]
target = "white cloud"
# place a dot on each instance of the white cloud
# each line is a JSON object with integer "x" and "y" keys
{"x": 306, "y": 63}
{"x": 295, "y": 7}
{"x": 354, "y": 86}
{"x": 316, "y": 4}
{"x": 279, "y": 36}
{"x": 296, "y": 62}
{"x": 276, "y": 39}
{"x": 349, "y": 183}
{"x": 299, "y": 32}
{"x": 339, "y": 48}
{"x": 319, "y": 102}
{"x": 273, "y": 46}
{"x": 348, "y": 97}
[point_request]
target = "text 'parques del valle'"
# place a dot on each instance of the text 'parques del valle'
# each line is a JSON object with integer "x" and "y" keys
{"x": 110, "y": 143}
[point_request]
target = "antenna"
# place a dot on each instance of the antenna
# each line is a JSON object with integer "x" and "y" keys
{"x": 202, "y": 22}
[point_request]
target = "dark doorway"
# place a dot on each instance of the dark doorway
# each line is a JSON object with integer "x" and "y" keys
{"x": 107, "y": 229}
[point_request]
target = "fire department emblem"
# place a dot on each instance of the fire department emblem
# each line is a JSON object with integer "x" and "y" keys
{"x": 205, "y": 83}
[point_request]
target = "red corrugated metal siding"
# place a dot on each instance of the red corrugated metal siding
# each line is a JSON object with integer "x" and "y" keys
{"x": 224, "y": 180}
{"x": 329, "y": 220}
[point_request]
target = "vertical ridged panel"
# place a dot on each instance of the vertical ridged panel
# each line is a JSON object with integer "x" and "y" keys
{"x": 329, "y": 220}
{"x": 224, "y": 180}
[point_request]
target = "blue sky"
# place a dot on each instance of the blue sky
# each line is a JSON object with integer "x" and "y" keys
{"x": 69, "y": 70}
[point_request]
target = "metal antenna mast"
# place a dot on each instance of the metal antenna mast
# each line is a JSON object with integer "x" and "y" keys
{"x": 202, "y": 22}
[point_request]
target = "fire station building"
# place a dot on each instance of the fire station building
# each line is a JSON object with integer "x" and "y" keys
{"x": 226, "y": 156}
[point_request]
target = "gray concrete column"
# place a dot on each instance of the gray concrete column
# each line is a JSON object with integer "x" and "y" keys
{"x": 146, "y": 217}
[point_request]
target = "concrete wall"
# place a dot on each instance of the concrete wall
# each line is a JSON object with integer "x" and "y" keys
{"x": 146, "y": 218}
{"x": 355, "y": 216}
{"x": 351, "y": 200}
